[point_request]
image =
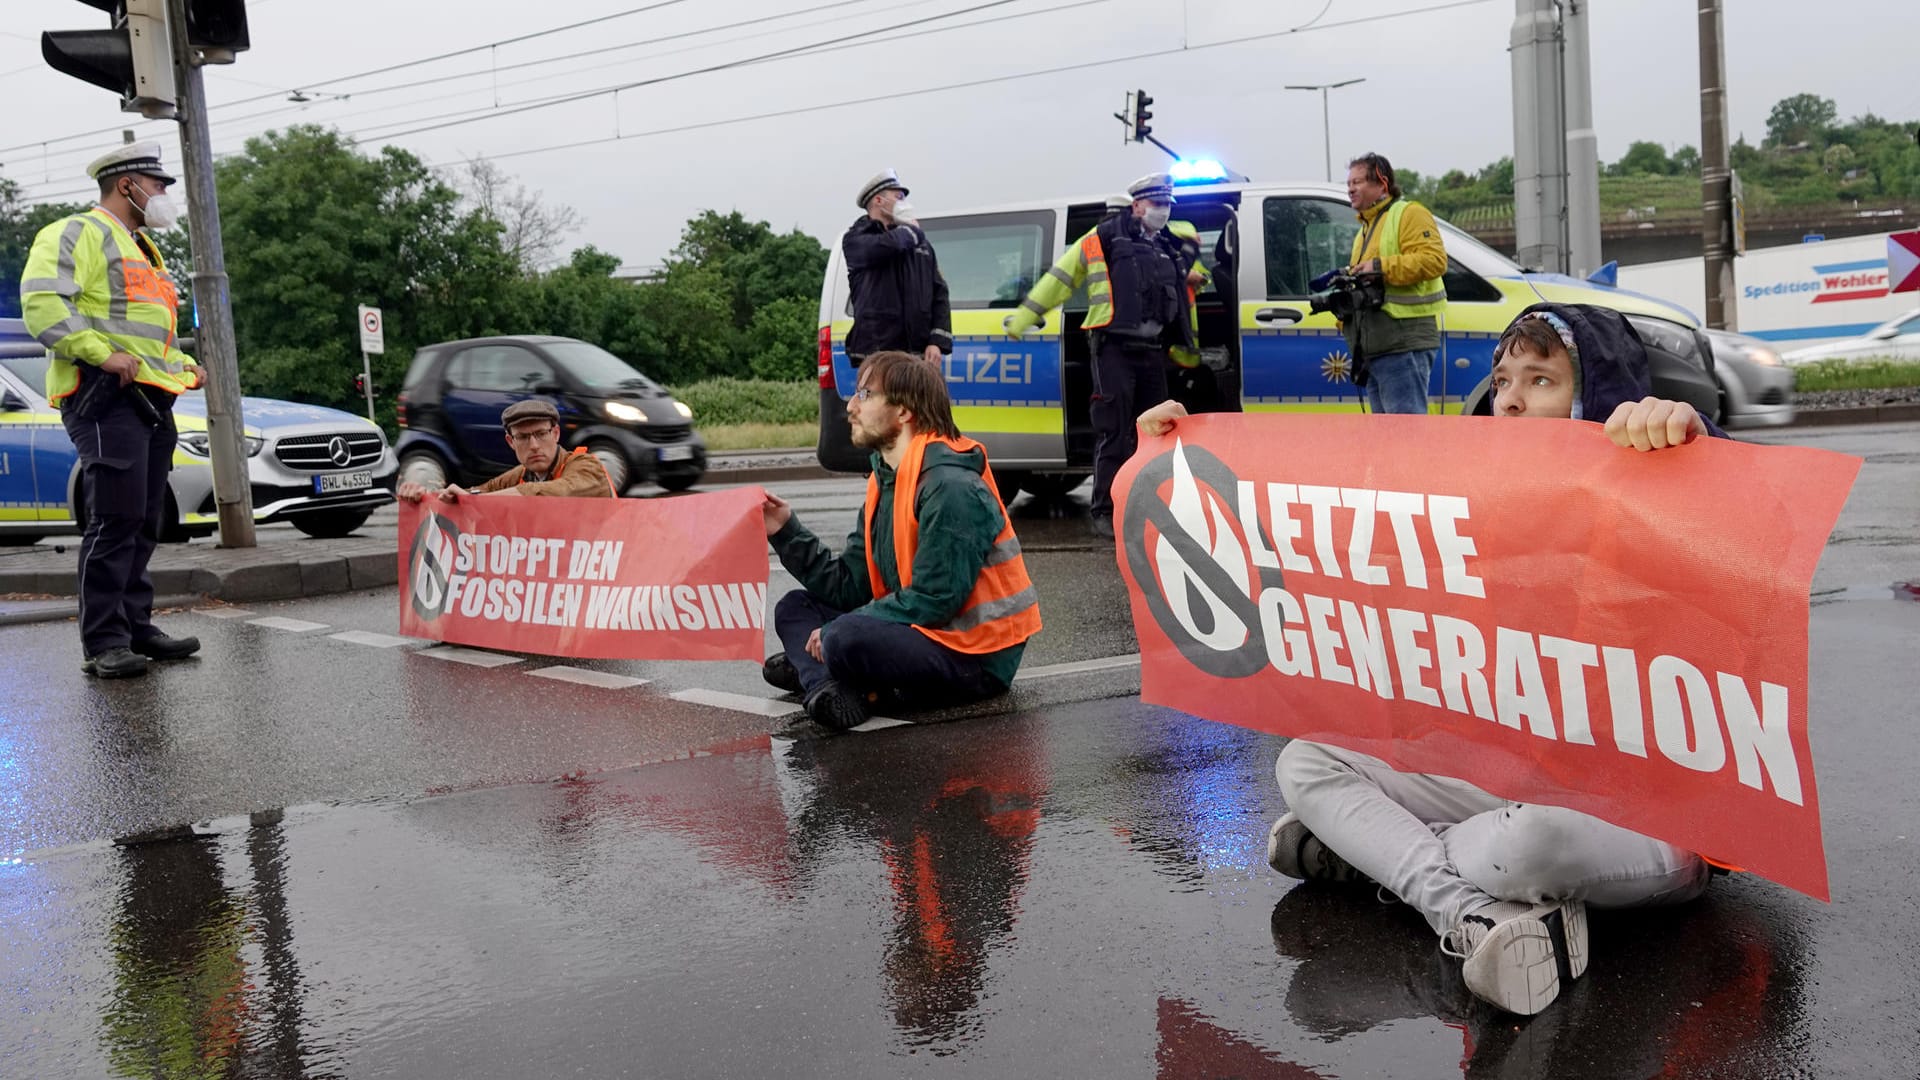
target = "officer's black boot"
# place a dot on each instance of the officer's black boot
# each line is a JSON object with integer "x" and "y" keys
{"x": 162, "y": 647}
{"x": 118, "y": 663}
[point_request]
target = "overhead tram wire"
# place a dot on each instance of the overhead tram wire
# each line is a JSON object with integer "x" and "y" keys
{"x": 828, "y": 45}
{"x": 897, "y": 94}
{"x": 641, "y": 10}
{"x": 84, "y": 151}
{"x": 894, "y": 95}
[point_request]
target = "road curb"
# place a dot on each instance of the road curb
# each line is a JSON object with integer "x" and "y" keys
{"x": 1864, "y": 414}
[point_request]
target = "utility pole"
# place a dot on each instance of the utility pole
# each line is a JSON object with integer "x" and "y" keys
{"x": 226, "y": 430}
{"x": 1326, "y": 123}
{"x": 1716, "y": 174}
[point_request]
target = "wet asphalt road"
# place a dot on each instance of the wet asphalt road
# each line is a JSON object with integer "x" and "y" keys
{"x": 482, "y": 872}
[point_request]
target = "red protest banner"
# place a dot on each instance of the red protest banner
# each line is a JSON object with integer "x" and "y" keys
{"x": 634, "y": 579}
{"x": 1522, "y": 605}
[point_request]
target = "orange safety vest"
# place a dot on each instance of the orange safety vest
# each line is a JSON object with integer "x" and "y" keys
{"x": 1002, "y": 610}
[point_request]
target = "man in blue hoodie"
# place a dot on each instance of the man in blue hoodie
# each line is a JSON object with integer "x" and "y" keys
{"x": 1504, "y": 884}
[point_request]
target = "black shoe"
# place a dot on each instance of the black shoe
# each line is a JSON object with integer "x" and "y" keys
{"x": 834, "y": 708}
{"x": 162, "y": 647}
{"x": 120, "y": 663}
{"x": 1103, "y": 527}
{"x": 779, "y": 673}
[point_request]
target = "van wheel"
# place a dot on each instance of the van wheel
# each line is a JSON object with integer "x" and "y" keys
{"x": 1045, "y": 486}
{"x": 1010, "y": 484}
{"x": 679, "y": 481}
{"x": 423, "y": 467}
{"x": 612, "y": 460}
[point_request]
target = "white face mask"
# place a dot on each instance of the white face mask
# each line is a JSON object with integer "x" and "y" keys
{"x": 160, "y": 211}
{"x": 1156, "y": 217}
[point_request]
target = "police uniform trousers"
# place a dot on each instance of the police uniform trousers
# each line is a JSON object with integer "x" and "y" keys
{"x": 1129, "y": 377}
{"x": 124, "y": 461}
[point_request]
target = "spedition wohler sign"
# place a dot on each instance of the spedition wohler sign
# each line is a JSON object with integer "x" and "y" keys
{"x": 1522, "y": 605}
{"x": 641, "y": 579}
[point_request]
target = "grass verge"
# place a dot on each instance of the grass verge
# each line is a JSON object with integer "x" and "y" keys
{"x": 760, "y": 436}
{"x": 1875, "y": 374}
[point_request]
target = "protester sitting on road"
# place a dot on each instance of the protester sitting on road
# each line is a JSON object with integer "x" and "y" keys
{"x": 929, "y": 603}
{"x": 1504, "y": 884}
{"x": 533, "y": 430}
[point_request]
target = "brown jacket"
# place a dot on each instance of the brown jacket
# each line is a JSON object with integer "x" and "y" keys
{"x": 577, "y": 475}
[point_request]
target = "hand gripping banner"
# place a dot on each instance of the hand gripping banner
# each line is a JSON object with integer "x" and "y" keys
{"x": 1519, "y": 604}
{"x": 634, "y": 579}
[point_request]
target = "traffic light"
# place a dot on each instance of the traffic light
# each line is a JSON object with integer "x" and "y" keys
{"x": 1141, "y": 114}
{"x": 217, "y": 28}
{"x": 360, "y": 383}
{"x": 133, "y": 59}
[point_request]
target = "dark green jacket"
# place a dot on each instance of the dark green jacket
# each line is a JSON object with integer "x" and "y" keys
{"x": 959, "y": 519}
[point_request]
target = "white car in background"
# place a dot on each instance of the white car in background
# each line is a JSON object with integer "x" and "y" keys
{"x": 1895, "y": 340}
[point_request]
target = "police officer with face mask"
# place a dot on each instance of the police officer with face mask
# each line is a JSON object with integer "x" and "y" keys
{"x": 97, "y": 294}
{"x": 1136, "y": 275}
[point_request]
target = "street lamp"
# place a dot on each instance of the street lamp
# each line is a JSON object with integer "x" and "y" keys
{"x": 1326, "y": 128}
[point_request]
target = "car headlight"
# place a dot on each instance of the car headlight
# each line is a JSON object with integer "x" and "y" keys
{"x": 199, "y": 444}
{"x": 685, "y": 410}
{"x": 1764, "y": 357}
{"x": 620, "y": 410}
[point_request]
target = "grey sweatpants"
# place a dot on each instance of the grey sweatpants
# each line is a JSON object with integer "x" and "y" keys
{"x": 1450, "y": 849}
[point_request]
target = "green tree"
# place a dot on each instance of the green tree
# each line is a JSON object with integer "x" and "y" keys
{"x": 783, "y": 340}
{"x": 1799, "y": 119}
{"x": 20, "y": 222}
{"x": 1644, "y": 159}
{"x": 314, "y": 227}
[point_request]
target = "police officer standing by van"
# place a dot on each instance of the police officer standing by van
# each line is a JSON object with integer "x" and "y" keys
{"x": 1394, "y": 346}
{"x": 899, "y": 299}
{"x": 1140, "y": 308}
{"x": 96, "y": 293}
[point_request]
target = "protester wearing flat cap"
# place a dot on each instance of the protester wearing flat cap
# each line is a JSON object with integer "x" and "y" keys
{"x": 97, "y": 294}
{"x": 533, "y": 430}
{"x": 1141, "y": 306}
{"x": 899, "y": 299}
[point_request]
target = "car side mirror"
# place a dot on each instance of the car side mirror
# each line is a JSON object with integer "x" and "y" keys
{"x": 12, "y": 402}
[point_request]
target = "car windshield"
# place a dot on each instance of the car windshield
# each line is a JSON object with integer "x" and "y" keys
{"x": 31, "y": 370}
{"x": 598, "y": 368}
{"x": 1457, "y": 239}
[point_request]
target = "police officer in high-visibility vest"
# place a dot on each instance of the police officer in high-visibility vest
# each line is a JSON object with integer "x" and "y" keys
{"x": 1140, "y": 307}
{"x": 96, "y": 293}
{"x": 1394, "y": 346}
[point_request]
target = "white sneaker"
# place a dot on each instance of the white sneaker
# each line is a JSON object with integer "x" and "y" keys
{"x": 1517, "y": 956}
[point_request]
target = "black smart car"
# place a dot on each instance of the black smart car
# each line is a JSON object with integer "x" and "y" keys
{"x": 454, "y": 393}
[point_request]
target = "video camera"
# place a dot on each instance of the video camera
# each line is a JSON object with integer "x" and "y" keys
{"x": 1346, "y": 295}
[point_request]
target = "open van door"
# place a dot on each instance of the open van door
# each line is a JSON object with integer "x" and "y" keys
{"x": 1006, "y": 393}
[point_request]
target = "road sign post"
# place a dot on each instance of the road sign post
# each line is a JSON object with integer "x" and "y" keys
{"x": 373, "y": 339}
{"x": 1903, "y": 261}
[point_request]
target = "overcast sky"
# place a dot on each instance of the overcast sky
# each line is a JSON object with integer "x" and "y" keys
{"x": 1437, "y": 96}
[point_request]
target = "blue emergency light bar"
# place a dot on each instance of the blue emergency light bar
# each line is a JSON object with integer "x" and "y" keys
{"x": 1197, "y": 171}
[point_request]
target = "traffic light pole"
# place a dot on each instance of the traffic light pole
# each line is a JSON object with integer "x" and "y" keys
{"x": 226, "y": 430}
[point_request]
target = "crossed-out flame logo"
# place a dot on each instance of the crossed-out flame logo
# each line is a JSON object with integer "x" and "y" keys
{"x": 430, "y": 563}
{"x": 1191, "y": 564}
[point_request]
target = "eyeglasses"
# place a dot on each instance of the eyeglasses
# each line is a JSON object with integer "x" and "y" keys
{"x": 528, "y": 438}
{"x": 865, "y": 393}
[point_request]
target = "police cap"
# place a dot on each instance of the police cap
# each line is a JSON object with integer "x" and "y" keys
{"x": 142, "y": 158}
{"x": 884, "y": 180}
{"x": 1152, "y": 186}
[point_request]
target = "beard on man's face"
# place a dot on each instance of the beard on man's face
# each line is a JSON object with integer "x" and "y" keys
{"x": 868, "y": 438}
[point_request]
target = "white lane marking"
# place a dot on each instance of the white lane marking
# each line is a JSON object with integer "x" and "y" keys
{"x": 880, "y": 723}
{"x": 585, "y": 677}
{"x": 475, "y": 657}
{"x": 746, "y": 703}
{"x": 222, "y": 612}
{"x": 378, "y": 641}
{"x": 1077, "y": 667}
{"x": 292, "y": 626}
